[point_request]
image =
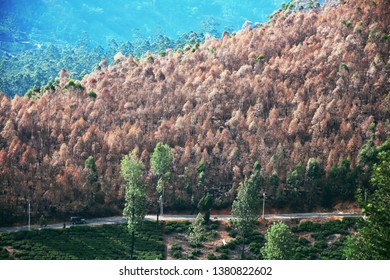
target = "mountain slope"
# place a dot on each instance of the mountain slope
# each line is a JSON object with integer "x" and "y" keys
{"x": 307, "y": 85}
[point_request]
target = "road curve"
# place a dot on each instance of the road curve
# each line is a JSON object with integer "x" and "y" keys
{"x": 119, "y": 219}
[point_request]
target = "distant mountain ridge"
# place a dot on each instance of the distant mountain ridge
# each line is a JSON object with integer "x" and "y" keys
{"x": 84, "y": 32}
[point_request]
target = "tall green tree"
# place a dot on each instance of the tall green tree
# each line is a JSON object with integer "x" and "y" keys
{"x": 90, "y": 165}
{"x": 368, "y": 156}
{"x": 42, "y": 221}
{"x": 92, "y": 178}
{"x": 372, "y": 240}
{"x": 341, "y": 181}
{"x": 246, "y": 209}
{"x": 295, "y": 181}
{"x": 256, "y": 177}
{"x": 160, "y": 162}
{"x": 135, "y": 206}
{"x": 201, "y": 168}
{"x": 280, "y": 243}
{"x": 314, "y": 178}
{"x": 197, "y": 231}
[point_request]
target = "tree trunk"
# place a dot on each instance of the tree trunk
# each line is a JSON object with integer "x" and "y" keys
{"x": 158, "y": 211}
{"x": 243, "y": 248}
{"x": 132, "y": 244}
{"x": 132, "y": 229}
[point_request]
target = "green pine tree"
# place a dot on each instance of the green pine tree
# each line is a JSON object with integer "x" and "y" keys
{"x": 160, "y": 162}
{"x": 197, "y": 231}
{"x": 246, "y": 209}
{"x": 135, "y": 206}
{"x": 372, "y": 241}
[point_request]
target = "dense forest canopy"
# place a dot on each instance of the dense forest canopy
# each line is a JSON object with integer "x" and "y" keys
{"x": 39, "y": 38}
{"x": 300, "y": 95}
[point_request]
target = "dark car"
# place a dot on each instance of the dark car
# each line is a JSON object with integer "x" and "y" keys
{"x": 77, "y": 220}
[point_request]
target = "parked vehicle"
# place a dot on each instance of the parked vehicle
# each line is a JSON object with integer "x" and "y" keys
{"x": 77, "y": 220}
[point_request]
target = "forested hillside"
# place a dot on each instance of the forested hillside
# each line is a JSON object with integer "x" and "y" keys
{"x": 301, "y": 95}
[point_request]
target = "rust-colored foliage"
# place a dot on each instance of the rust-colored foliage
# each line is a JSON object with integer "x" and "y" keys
{"x": 313, "y": 94}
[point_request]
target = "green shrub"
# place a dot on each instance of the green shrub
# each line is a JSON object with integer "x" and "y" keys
{"x": 30, "y": 93}
{"x": 260, "y": 58}
{"x": 221, "y": 204}
{"x": 238, "y": 240}
{"x": 74, "y": 85}
{"x": 197, "y": 252}
{"x": 254, "y": 247}
{"x": 214, "y": 226}
{"x": 177, "y": 254}
{"x": 299, "y": 256}
{"x": 224, "y": 256}
{"x": 176, "y": 227}
{"x": 321, "y": 244}
{"x": 232, "y": 234}
{"x": 256, "y": 236}
{"x": 350, "y": 222}
{"x": 180, "y": 229}
{"x": 385, "y": 38}
{"x": 78, "y": 86}
{"x": 36, "y": 89}
{"x": 92, "y": 94}
{"x": 344, "y": 66}
{"x": 19, "y": 235}
{"x": 231, "y": 245}
{"x": 49, "y": 86}
{"x": 176, "y": 247}
{"x": 306, "y": 226}
{"x": 213, "y": 234}
{"x": 347, "y": 23}
{"x": 211, "y": 257}
{"x": 150, "y": 59}
{"x": 303, "y": 241}
{"x": 318, "y": 236}
{"x": 4, "y": 255}
{"x": 288, "y": 6}
{"x": 196, "y": 46}
{"x": 69, "y": 84}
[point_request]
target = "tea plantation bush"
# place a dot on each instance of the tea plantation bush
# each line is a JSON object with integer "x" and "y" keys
{"x": 171, "y": 227}
{"x": 324, "y": 240}
{"x": 322, "y": 246}
{"x": 110, "y": 242}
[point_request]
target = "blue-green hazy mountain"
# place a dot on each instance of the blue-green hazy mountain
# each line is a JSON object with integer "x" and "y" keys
{"x": 38, "y": 38}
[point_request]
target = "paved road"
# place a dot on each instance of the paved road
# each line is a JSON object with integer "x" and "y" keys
{"x": 119, "y": 219}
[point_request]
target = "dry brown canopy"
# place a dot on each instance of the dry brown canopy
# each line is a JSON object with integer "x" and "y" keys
{"x": 305, "y": 85}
